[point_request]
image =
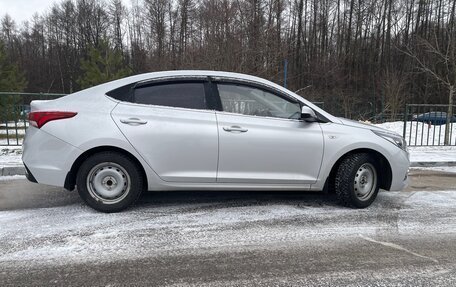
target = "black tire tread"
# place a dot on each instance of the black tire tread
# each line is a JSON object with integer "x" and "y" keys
{"x": 344, "y": 180}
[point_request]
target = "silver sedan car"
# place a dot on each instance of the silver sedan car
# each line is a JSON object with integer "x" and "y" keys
{"x": 204, "y": 130}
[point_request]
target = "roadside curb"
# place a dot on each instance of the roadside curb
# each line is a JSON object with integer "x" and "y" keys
{"x": 12, "y": 170}
{"x": 20, "y": 169}
{"x": 432, "y": 163}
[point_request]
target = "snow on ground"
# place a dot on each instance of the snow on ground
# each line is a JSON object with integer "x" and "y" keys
{"x": 76, "y": 233}
{"x": 418, "y": 133}
{"x": 15, "y": 132}
{"x": 425, "y": 153}
{"x": 12, "y": 132}
{"x": 449, "y": 169}
{"x": 12, "y": 141}
{"x": 10, "y": 156}
{"x": 20, "y": 123}
{"x": 433, "y": 154}
{"x": 11, "y": 177}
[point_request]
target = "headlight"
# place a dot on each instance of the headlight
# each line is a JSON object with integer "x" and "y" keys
{"x": 393, "y": 138}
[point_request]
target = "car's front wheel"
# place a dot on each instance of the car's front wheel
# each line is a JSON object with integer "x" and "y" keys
{"x": 356, "y": 180}
{"x": 109, "y": 181}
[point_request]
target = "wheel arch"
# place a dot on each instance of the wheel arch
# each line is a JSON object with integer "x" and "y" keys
{"x": 385, "y": 171}
{"x": 70, "y": 180}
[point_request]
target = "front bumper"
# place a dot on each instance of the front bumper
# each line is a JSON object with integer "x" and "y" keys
{"x": 400, "y": 165}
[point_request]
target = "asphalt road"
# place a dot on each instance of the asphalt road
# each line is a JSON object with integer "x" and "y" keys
{"x": 48, "y": 237}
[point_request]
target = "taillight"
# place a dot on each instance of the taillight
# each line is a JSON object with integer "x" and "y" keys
{"x": 39, "y": 119}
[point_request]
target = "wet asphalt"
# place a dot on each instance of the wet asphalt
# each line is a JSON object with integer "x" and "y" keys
{"x": 49, "y": 237}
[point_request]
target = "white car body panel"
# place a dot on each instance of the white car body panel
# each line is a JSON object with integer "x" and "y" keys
{"x": 186, "y": 149}
{"x": 179, "y": 144}
{"x": 341, "y": 139}
{"x": 99, "y": 130}
{"x": 48, "y": 157}
{"x": 273, "y": 150}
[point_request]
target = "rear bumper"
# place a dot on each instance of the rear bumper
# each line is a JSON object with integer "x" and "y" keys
{"x": 29, "y": 175}
{"x": 47, "y": 158}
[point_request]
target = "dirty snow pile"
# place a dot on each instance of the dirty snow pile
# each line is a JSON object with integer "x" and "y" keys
{"x": 10, "y": 156}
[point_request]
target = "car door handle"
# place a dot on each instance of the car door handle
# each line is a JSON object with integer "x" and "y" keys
{"x": 235, "y": 129}
{"x": 133, "y": 121}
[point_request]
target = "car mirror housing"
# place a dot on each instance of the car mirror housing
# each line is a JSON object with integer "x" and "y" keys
{"x": 308, "y": 115}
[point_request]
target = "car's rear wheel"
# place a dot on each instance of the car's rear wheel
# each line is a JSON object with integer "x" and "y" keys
{"x": 109, "y": 181}
{"x": 356, "y": 180}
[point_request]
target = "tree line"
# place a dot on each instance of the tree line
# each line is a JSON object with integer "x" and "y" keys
{"x": 360, "y": 57}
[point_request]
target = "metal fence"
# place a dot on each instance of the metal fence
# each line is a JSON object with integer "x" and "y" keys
{"x": 14, "y": 108}
{"x": 429, "y": 125}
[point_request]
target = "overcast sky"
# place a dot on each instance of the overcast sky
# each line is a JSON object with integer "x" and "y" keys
{"x": 21, "y": 10}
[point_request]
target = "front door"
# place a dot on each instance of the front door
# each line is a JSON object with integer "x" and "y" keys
{"x": 262, "y": 140}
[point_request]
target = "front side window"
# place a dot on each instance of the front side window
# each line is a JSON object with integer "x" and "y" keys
{"x": 252, "y": 101}
{"x": 179, "y": 95}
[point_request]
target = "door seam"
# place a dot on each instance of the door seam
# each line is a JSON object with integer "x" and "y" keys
{"x": 218, "y": 147}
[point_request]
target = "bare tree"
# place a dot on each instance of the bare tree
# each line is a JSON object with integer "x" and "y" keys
{"x": 439, "y": 61}
{"x": 345, "y": 49}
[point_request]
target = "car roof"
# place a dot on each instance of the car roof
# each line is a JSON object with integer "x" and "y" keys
{"x": 177, "y": 73}
{"x": 109, "y": 86}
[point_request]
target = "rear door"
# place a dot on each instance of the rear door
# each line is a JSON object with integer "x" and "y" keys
{"x": 171, "y": 125}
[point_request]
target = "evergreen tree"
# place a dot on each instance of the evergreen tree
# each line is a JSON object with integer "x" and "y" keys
{"x": 103, "y": 64}
{"x": 11, "y": 79}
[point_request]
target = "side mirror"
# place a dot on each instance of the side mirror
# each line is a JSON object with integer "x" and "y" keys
{"x": 308, "y": 115}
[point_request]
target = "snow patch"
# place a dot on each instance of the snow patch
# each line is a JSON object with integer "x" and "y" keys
{"x": 434, "y": 199}
{"x": 449, "y": 169}
{"x": 11, "y": 177}
{"x": 418, "y": 133}
{"x": 76, "y": 233}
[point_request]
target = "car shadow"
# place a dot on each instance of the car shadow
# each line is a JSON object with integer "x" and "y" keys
{"x": 236, "y": 198}
{"x": 21, "y": 194}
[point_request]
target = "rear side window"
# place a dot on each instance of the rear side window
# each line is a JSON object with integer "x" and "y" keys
{"x": 179, "y": 95}
{"x": 123, "y": 93}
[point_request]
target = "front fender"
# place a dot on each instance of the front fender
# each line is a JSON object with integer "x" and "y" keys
{"x": 341, "y": 140}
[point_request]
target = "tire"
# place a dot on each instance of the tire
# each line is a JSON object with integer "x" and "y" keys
{"x": 329, "y": 187}
{"x": 356, "y": 180}
{"x": 109, "y": 182}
